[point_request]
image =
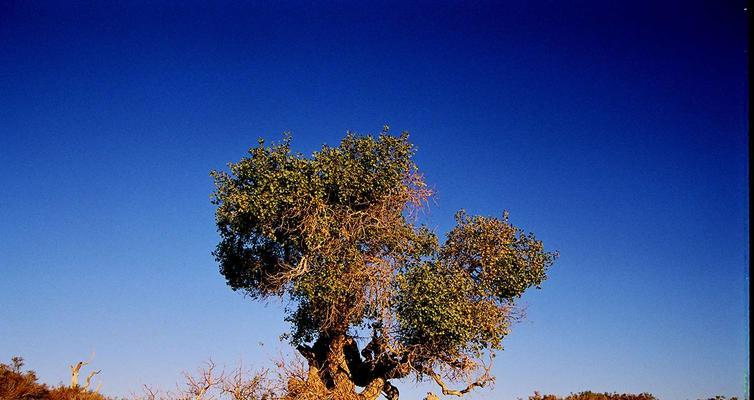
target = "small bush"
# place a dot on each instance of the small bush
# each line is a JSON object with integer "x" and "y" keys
{"x": 18, "y": 385}
{"x": 588, "y": 395}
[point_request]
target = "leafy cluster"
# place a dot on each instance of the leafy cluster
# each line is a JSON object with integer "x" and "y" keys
{"x": 460, "y": 303}
{"x": 301, "y": 226}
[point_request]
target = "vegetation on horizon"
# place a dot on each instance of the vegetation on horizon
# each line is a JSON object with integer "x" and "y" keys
{"x": 16, "y": 384}
{"x": 212, "y": 383}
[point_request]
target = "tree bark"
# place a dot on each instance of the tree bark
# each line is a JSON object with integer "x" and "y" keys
{"x": 340, "y": 368}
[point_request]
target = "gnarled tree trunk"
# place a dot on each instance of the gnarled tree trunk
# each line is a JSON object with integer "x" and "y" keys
{"x": 337, "y": 371}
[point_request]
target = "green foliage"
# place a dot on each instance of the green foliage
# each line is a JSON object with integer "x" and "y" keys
{"x": 302, "y": 226}
{"x": 500, "y": 258}
{"x": 460, "y": 303}
{"x": 439, "y": 310}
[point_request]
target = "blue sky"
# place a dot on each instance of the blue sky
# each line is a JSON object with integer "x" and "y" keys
{"x": 616, "y": 131}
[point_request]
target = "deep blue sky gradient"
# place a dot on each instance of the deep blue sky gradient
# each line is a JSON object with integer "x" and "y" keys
{"x": 616, "y": 131}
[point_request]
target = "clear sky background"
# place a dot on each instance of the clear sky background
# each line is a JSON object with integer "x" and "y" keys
{"x": 616, "y": 131}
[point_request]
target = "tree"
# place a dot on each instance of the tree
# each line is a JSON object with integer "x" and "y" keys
{"x": 337, "y": 235}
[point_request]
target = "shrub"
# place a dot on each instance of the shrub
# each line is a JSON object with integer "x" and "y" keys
{"x": 18, "y": 385}
{"x": 589, "y": 395}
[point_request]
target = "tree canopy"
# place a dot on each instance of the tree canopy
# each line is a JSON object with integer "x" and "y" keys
{"x": 337, "y": 234}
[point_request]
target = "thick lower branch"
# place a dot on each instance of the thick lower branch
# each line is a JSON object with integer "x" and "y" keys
{"x": 339, "y": 358}
{"x": 481, "y": 382}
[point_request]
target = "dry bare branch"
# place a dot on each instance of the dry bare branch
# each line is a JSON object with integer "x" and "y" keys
{"x": 203, "y": 386}
{"x": 89, "y": 379}
{"x": 75, "y": 369}
{"x": 482, "y": 381}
